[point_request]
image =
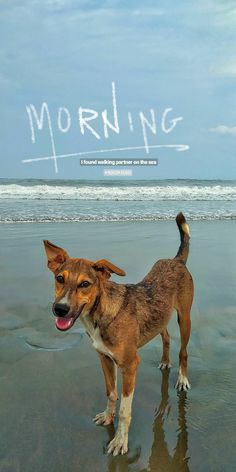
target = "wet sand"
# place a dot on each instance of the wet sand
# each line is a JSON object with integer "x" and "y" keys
{"x": 52, "y": 384}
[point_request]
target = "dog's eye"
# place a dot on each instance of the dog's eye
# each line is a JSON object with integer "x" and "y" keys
{"x": 60, "y": 279}
{"x": 84, "y": 284}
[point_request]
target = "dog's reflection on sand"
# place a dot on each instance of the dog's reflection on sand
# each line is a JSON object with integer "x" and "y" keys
{"x": 160, "y": 458}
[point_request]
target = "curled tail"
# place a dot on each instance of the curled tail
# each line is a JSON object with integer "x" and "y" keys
{"x": 183, "y": 251}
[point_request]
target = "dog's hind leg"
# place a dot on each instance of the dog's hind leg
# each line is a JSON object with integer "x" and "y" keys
{"x": 165, "y": 360}
{"x": 184, "y": 326}
{"x": 110, "y": 374}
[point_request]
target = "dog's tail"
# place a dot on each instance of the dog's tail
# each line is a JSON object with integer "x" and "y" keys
{"x": 183, "y": 251}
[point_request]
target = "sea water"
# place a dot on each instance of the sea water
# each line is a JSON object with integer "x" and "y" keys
{"x": 72, "y": 200}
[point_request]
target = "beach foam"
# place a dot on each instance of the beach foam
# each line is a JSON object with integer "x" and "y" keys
{"x": 120, "y": 193}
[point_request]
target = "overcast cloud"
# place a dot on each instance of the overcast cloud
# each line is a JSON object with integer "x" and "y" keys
{"x": 160, "y": 54}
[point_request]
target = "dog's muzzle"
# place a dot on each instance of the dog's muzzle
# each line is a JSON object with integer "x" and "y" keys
{"x": 64, "y": 319}
{"x": 61, "y": 309}
{"x": 62, "y": 322}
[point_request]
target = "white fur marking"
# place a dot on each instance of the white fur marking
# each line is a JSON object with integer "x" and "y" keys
{"x": 182, "y": 382}
{"x": 107, "y": 416}
{"x": 65, "y": 299}
{"x": 125, "y": 405}
{"x": 119, "y": 445}
{"x": 185, "y": 228}
{"x": 95, "y": 336}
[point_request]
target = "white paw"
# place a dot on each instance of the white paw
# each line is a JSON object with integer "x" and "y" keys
{"x": 118, "y": 445}
{"x": 182, "y": 382}
{"x": 104, "y": 418}
{"x": 164, "y": 365}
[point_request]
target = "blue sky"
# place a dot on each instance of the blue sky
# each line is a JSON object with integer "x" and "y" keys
{"x": 160, "y": 54}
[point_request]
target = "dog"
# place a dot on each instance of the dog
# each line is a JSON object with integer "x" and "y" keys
{"x": 121, "y": 318}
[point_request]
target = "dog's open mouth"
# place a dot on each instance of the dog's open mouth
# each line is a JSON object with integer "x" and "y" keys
{"x": 63, "y": 324}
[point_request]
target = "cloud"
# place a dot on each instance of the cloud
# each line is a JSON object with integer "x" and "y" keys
{"x": 225, "y": 70}
{"x": 224, "y": 130}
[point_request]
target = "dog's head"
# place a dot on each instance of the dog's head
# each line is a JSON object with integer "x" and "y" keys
{"x": 77, "y": 284}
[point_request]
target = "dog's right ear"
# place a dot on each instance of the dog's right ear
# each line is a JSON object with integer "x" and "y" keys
{"x": 56, "y": 255}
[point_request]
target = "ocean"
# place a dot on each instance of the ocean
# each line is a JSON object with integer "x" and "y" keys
{"x": 34, "y": 201}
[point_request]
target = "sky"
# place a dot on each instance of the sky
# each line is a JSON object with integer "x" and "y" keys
{"x": 160, "y": 55}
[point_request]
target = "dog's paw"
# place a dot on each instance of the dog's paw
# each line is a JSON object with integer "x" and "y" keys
{"x": 118, "y": 445}
{"x": 182, "y": 383}
{"x": 104, "y": 418}
{"x": 164, "y": 365}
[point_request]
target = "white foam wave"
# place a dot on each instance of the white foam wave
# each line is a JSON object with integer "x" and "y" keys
{"x": 114, "y": 218}
{"x": 120, "y": 193}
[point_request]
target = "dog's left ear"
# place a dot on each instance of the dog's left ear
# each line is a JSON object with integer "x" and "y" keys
{"x": 55, "y": 255}
{"x": 108, "y": 268}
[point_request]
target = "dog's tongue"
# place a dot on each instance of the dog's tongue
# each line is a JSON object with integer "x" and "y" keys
{"x": 64, "y": 323}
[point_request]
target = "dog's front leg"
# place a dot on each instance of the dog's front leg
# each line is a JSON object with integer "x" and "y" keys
{"x": 119, "y": 445}
{"x": 110, "y": 373}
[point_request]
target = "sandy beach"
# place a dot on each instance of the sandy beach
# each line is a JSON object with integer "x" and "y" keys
{"x": 52, "y": 384}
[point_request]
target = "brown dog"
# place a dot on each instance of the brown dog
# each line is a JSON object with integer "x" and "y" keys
{"x": 119, "y": 318}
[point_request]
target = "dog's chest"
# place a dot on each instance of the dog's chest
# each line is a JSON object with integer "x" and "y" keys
{"x": 95, "y": 337}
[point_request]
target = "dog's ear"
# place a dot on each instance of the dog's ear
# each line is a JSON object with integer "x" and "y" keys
{"x": 55, "y": 255}
{"x": 108, "y": 268}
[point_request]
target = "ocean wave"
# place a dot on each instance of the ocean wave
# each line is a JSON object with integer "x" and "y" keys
{"x": 119, "y": 193}
{"x": 113, "y": 218}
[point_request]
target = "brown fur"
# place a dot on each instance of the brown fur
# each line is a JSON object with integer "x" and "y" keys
{"x": 128, "y": 315}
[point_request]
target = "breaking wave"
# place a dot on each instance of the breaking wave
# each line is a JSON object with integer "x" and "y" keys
{"x": 194, "y": 192}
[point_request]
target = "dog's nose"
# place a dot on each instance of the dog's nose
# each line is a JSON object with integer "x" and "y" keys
{"x": 61, "y": 309}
